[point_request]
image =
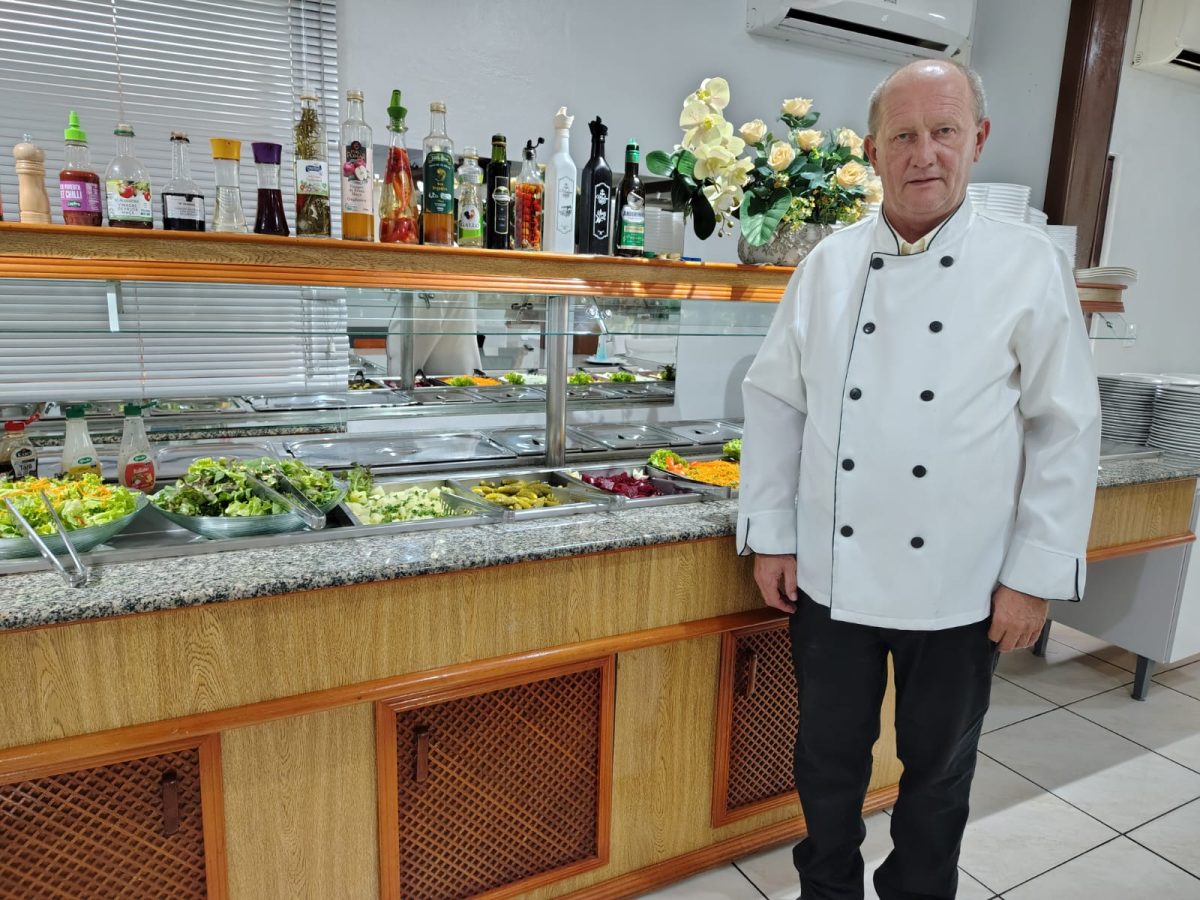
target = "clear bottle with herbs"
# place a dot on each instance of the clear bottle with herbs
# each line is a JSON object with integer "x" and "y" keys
{"x": 398, "y": 214}
{"x": 312, "y": 171}
{"x": 528, "y": 203}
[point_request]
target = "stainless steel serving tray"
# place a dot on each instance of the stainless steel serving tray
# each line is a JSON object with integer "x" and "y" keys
{"x": 704, "y": 431}
{"x": 173, "y": 460}
{"x": 421, "y": 395}
{"x": 390, "y": 452}
{"x": 346, "y": 400}
{"x": 511, "y": 393}
{"x": 217, "y": 528}
{"x": 590, "y": 392}
{"x": 713, "y": 490}
{"x": 532, "y": 441}
{"x": 197, "y": 405}
{"x": 579, "y": 498}
{"x": 673, "y": 491}
{"x": 474, "y": 511}
{"x": 618, "y": 436}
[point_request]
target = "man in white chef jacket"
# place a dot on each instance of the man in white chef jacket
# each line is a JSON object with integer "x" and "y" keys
{"x": 920, "y": 450}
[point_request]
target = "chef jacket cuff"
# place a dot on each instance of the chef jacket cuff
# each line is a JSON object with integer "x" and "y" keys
{"x": 1042, "y": 572}
{"x": 772, "y": 532}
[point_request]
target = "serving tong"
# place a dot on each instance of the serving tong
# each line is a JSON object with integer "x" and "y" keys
{"x": 76, "y": 578}
{"x": 291, "y": 498}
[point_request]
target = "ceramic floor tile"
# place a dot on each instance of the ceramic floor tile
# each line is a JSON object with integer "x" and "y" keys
{"x": 1121, "y": 784}
{"x": 1179, "y": 663}
{"x": 725, "y": 883}
{"x": 1185, "y": 679}
{"x": 1012, "y": 704}
{"x": 1167, "y": 722}
{"x": 1017, "y": 830}
{"x": 1175, "y": 836}
{"x": 1125, "y": 659}
{"x": 1119, "y": 870}
{"x": 1064, "y": 675}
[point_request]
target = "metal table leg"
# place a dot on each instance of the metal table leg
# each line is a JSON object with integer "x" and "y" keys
{"x": 1141, "y": 679}
{"x": 1039, "y": 647}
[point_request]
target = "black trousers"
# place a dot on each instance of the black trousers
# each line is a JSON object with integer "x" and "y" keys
{"x": 943, "y": 683}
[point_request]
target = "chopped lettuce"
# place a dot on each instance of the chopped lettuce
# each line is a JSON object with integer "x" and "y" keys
{"x": 733, "y": 449}
{"x": 80, "y": 502}
{"x": 220, "y": 487}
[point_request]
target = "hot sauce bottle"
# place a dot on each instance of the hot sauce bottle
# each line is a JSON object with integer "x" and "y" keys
{"x": 530, "y": 196}
{"x": 78, "y": 183}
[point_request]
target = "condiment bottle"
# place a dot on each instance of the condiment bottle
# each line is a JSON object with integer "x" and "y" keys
{"x": 135, "y": 465}
{"x": 32, "y": 200}
{"x": 631, "y": 207}
{"x": 227, "y": 163}
{"x": 270, "y": 218}
{"x": 595, "y": 188}
{"x": 470, "y": 200}
{"x": 499, "y": 196}
{"x": 397, "y": 206}
{"x": 18, "y": 459}
{"x": 437, "y": 215}
{"x": 358, "y": 199}
{"x": 182, "y": 202}
{"x": 78, "y": 183}
{"x": 561, "y": 177}
{"x": 312, "y": 171}
{"x": 79, "y": 453}
{"x": 127, "y": 185}
{"x": 530, "y": 193}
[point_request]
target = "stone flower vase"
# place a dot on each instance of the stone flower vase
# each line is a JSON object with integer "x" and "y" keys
{"x": 788, "y": 247}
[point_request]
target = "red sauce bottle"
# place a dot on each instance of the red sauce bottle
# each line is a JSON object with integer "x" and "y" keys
{"x": 78, "y": 184}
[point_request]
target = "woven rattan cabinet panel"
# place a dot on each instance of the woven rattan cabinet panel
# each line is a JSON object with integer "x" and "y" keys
{"x": 756, "y": 723}
{"x": 498, "y": 790}
{"x": 130, "y": 829}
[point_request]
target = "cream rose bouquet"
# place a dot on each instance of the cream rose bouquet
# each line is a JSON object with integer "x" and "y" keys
{"x": 804, "y": 177}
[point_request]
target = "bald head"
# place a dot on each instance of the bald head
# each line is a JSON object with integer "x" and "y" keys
{"x": 927, "y": 70}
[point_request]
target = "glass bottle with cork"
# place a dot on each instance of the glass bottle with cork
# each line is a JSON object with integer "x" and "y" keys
{"x": 358, "y": 197}
{"x": 631, "y": 207}
{"x": 398, "y": 213}
{"x": 269, "y": 217}
{"x": 437, "y": 215}
{"x": 228, "y": 215}
{"x": 499, "y": 196}
{"x": 470, "y": 200}
{"x": 528, "y": 203}
{"x": 595, "y": 187}
{"x": 78, "y": 183}
{"x": 127, "y": 185}
{"x": 182, "y": 202}
{"x": 312, "y": 171}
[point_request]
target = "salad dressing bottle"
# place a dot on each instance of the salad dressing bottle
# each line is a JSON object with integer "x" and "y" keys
{"x": 18, "y": 459}
{"x": 79, "y": 453}
{"x": 135, "y": 466}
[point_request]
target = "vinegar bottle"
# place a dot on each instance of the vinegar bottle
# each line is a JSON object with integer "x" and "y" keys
{"x": 437, "y": 218}
{"x": 358, "y": 197}
{"x": 270, "y": 217}
{"x": 127, "y": 185}
{"x": 182, "y": 202}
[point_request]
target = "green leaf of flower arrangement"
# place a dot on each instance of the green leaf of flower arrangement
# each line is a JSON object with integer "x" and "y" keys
{"x": 761, "y": 220}
{"x": 659, "y": 163}
{"x": 681, "y": 194}
{"x": 810, "y": 120}
{"x": 687, "y": 164}
{"x": 704, "y": 220}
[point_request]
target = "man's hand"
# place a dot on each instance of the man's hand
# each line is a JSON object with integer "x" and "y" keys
{"x": 776, "y": 580}
{"x": 1017, "y": 618}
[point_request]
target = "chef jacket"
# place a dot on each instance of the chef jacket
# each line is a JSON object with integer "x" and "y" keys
{"x": 947, "y": 408}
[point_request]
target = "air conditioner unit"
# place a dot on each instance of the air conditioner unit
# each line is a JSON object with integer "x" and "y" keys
{"x": 1168, "y": 39}
{"x": 891, "y": 30}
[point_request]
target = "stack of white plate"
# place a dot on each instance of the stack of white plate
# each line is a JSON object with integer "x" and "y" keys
{"x": 1127, "y": 407}
{"x": 1064, "y": 237}
{"x": 1176, "y": 424}
{"x": 664, "y": 231}
{"x": 1036, "y": 217}
{"x": 1107, "y": 275}
{"x": 1008, "y": 202}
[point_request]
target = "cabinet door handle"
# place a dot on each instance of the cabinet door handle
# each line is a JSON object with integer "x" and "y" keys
{"x": 170, "y": 801}
{"x": 421, "y": 751}
{"x": 749, "y": 673}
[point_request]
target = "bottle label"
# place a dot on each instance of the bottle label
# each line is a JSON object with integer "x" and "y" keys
{"x": 357, "y": 191}
{"x": 470, "y": 222}
{"x": 24, "y": 462}
{"x": 565, "y": 221}
{"x": 139, "y": 473}
{"x": 79, "y": 196}
{"x": 312, "y": 177}
{"x": 83, "y": 465}
{"x": 439, "y": 183}
{"x": 129, "y": 201}
{"x": 501, "y": 200}
{"x": 600, "y": 223}
{"x": 188, "y": 207}
{"x": 633, "y": 227}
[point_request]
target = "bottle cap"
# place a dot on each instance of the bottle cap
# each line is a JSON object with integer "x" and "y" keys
{"x": 180, "y": 136}
{"x": 470, "y": 153}
{"x": 499, "y": 139}
{"x": 132, "y": 409}
{"x": 437, "y": 106}
{"x": 309, "y": 94}
{"x": 395, "y": 110}
{"x": 354, "y": 94}
{"x": 123, "y": 130}
{"x": 266, "y": 152}
{"x": 75, "y": 411}
{"x": 73, "y": 132}
{"x": 632, "y": 152}
{"x": 18, "y": 425}
{"x": 531, "y": 147}
{"x": 598, "y": 128}
{"x": 226, "y": 148}
{"x": 561, "y": 119}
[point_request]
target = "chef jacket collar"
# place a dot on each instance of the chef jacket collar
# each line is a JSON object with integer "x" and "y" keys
{"x": 886, "y": 241}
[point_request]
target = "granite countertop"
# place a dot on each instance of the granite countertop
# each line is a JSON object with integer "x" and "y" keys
{"x": 33, "y": 600}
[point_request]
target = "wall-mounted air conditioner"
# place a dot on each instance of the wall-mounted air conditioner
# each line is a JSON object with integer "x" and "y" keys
{"x": 891, "y": 30}
{"x": 1168, "y": 39}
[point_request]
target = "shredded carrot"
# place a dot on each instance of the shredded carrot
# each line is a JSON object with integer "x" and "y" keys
{"x": 720, "y": 472}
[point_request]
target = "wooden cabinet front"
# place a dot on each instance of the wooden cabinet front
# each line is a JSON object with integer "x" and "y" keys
{"x": 132, "y": 828}
{"x": 489, "y": 791}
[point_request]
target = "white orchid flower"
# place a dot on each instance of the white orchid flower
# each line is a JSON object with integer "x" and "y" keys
{"x": 714, "y": 93}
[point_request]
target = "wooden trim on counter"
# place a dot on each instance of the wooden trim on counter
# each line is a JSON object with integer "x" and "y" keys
{"x": 66, "y": 752}
{"x": 1141, "y": 547}
{"x": 668, "y": 871}
{"x": 212, "y": 811}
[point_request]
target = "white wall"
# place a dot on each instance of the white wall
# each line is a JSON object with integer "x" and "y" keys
{"x": 1155, "y": 205}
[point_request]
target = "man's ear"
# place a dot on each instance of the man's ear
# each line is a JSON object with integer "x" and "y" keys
{"x": 981, "y": 136}
{"x": 872, "y": 150}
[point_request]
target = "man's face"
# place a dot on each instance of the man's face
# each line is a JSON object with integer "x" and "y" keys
{"x": 927, "y": 142}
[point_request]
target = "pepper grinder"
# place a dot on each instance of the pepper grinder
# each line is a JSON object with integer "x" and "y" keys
{"x": 32, "y": 199}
